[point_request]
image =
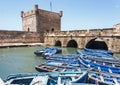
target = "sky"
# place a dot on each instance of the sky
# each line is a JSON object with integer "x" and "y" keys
{"x": 77, "y": 14}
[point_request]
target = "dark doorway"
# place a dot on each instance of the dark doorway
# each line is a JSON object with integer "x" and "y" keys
{"x": 47, "y": 30}
{"x": 52, "y": 29}
{"x": 58, "y": 43}
{"x": 28, "y": 29}
{"x": 72, "y": 43}
{"x": 97, "y": 43}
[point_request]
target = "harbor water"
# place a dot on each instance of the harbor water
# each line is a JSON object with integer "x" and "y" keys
{"x": 22, "y": 59}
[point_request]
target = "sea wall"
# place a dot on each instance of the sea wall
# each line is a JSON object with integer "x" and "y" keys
{"x": 19, "y": 37}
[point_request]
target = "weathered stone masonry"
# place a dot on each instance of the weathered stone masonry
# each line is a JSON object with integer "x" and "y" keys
{"x": 111, "y": 36}
{"x": 39, "y": 20}
{"x": 19, "y": 37}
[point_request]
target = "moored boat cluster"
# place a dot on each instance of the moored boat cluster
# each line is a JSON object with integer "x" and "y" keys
{"x": 87, "y": 66}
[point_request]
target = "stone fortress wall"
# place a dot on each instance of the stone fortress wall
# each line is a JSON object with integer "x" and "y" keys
{"x": 41, "y": 26}
{"x": 18, "y": 37}
{"x": 34, "y": 24}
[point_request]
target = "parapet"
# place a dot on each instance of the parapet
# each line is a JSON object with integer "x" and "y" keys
{"x": 32, "y": 12}
{"x": 37, "y": 10}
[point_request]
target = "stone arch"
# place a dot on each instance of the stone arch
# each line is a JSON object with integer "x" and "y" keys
{"x": 97, "y": 43}
{"x": 72, "y": 43}
{"x": 58, "y": 43}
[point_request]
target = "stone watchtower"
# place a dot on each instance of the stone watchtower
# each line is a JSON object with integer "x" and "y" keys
{"x": 38, "y": 20}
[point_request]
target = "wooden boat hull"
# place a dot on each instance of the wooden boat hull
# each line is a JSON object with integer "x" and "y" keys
{"x": 63, "y": 56}
{"x": 26, "y": 79}
{"x": 47, "y": 51}
{"x": 68, "y": 77}
{"x": 99, "y": 67}
{"x": 63, "y": 63}
{"x": 103, "y": 78}
{"x": 49, "y": 78}
{"x": 95, "y": 52}
{"x": 48, "y": 68}
{"x": 38, "y": 53}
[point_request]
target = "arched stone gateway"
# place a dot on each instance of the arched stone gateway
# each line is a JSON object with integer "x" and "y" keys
{"x": 58, "y": 43}
{"x": 97, "y": 43}
{"x": 72, "y": 43}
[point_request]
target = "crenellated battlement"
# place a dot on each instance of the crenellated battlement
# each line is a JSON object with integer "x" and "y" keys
{"x": 37, "y": 10}
{"x": 29, "y": 13}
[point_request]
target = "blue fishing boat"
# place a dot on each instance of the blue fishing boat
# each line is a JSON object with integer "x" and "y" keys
{"x": 63, "y": 63}
{"x": 47, "y": 68}
{"x": 41, "y": 51}
{"x": 95, "y": 52}
{"x": 62, "y": 56}
{"x": 54, "y": 65}
{"x": 59, "y": 50}
{"x": 59, "y": 68}
{"x": 48, "y": 78}
{"x": 63, "y": 59}
{"x": 26, "y": 79}
{"x": 100, "y": 66}
{"x": 80, "y": 84}
{"x": 48, "y": 51}
{"x": 99, "y": 51}
{"x": 65, "y": 78}
{"x": 99, "y": 78}
{"x": 103, "y": 60}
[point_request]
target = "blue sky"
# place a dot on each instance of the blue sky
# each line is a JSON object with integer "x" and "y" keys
{"x": 77, "y": 14}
